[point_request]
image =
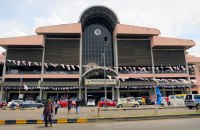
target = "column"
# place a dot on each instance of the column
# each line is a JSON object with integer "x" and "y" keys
{"x": 80, "y": 70}
{"x": 118, "y": 94}
{"x": 113, "y": 93}
{"x": 42, "y": 73}
{"x": 85, "y": 95}
{"x": 187, "y": 70}
{"x": 1, "y": 93}
{"x": 3, "y": 76}
{"x": 39, "y": 85}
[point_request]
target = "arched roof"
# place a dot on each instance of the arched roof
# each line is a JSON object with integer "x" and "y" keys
{"x": 92, "y": 72}
{"x": 99, "y": 14}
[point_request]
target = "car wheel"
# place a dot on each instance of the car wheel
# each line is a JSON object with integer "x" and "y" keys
{"x": 135, "y": 105}
{"x": 190, "y": 107}
{"x": 120, "y": 106}
{"x": 198, "y": 106}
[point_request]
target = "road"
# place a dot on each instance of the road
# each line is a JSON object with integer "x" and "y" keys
{"x": 169, "y": 124}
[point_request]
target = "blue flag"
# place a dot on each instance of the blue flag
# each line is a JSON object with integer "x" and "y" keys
{"x": 159, "y": 96}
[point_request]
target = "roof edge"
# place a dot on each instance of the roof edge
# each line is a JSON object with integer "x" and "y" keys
{"x": 60, "y": 28}
{"x": 130, "y": 29}
{"x": 169, "y": 41}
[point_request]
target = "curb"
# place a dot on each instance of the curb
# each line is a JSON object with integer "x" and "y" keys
{"x": 17, "y": 109}
{"x": 125, "y": 109}
{"x": 87, "y": 120}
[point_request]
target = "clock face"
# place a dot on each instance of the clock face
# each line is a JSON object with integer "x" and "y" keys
{"x": 97, "y": 32}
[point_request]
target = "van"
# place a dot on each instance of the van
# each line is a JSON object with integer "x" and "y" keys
{"x": 192, "y": 100}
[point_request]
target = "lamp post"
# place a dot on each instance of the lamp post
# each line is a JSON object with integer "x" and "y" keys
{"x": 104, "y": 64}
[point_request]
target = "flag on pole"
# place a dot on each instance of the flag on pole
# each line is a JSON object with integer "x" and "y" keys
{"x": 25, "y": 87}
{"x": 159, "y": 96}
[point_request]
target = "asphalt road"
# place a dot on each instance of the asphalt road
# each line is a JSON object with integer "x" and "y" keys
{"x": 87, "y": 112}
{"x": 169, "y": 124}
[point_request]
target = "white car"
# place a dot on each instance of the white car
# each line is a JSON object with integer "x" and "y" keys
{"x": 16, "y": 102}
{"x": 91, "y": 102}
{"x": 176, "y": 100}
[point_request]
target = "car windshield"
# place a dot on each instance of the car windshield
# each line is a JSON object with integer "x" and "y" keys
{"x": 90, "y": 100}
{"x": 188, "y": 97}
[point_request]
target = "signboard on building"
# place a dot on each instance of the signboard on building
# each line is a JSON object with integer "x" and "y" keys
{"x": 107, "y": 82}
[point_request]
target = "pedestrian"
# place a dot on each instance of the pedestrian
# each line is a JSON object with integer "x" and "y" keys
{"x": 143, "y": 101}
{"x": 56, "y": 105}
{"x": 48, "y": 111}
{"x": 167, "y": 100}
{"x": 69, "y": 105}
{"x": 78, "y": 102}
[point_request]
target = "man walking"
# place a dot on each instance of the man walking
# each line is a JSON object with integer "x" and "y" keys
{"x": 78, "y": 102}
{"x": 48, "y": 111}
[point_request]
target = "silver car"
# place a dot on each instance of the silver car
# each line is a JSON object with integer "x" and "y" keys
{"x": 192, "y": 100}
{"x": 30, "y": 103}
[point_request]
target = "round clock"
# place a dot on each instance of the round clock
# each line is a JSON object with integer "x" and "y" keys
{"x": 97, "y": 32}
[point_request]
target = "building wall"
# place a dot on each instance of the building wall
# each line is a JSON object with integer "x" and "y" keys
{"x": 62, "y": 51}
{"x": 24, "y": 54}
{"x": 168, "y": 57}
{"x": 134, "y": 53}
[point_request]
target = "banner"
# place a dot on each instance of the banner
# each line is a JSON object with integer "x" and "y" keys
{"x": 159, "y": 96}
{"x": 100, "y": 82}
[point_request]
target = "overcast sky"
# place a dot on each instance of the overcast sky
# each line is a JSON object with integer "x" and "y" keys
{"x": 174, "y": 18}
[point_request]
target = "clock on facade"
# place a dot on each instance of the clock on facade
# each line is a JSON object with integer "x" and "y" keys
{"x": 97, "y": 32}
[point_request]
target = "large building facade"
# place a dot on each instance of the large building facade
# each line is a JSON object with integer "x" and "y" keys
{"x": 97, "y": 57}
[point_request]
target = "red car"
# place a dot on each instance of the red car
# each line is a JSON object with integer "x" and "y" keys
{"x": 3, "y": 103}
{"x": 108, "y": 103}
{"x": 64, "y": 103}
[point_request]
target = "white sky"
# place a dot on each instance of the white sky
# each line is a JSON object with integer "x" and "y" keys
{"x": 174, "y": 18}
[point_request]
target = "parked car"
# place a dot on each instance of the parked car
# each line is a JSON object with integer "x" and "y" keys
{"x": 176, "y": 100}
{"x": 125, "y": 102}
{"x": 31, "y": 103}
{"x": 91, "y": 102}
{"x": 107, "y": 102}
{"x": 15, "y": 102}
{"x": 64, "y": 103}
{"x": 3, "y": 103}
{"x": 182, "y": 95}
{"x": 139, "y": 99}
{"x": 192, "y": 100}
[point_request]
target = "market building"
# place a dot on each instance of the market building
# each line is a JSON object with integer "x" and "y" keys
{"x": 97, "y": 57}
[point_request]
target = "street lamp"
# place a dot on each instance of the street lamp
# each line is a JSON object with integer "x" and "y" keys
{"x": 104, "y": 64}
{"x": 105, "y": 90}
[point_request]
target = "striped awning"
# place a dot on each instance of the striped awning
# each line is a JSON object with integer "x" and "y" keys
{"x": 10, "y": 84}
{"x": 152, "y": 83}
{"x": 43, "y": 84}
{"x": 63, "y": 83}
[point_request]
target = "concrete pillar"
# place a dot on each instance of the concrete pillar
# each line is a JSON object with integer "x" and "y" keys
{"x": 80, "y": 70}
{"x": 113, "y": 93}
{"x": 1, "y": 93}
{"x": 39, "y": 85}
{"x": 118, "y": 93}
{"x": 85, "y": 95}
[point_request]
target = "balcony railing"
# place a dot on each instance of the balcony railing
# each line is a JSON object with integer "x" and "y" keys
{"x": 46, "y": 72}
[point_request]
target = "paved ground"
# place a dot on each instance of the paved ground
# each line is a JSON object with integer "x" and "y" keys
{"x": 170, "y": 124}
{"x": 87, "y": 112}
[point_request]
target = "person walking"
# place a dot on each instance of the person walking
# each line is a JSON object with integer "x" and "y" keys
{"x": 167, "y": 100}
{"x": 56, "y": 105}
{"x": 78, "y": 102}
{"x": 69, "y": 105}
{"x": 143, "y": 101}
{"x": 47, "y": 112}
